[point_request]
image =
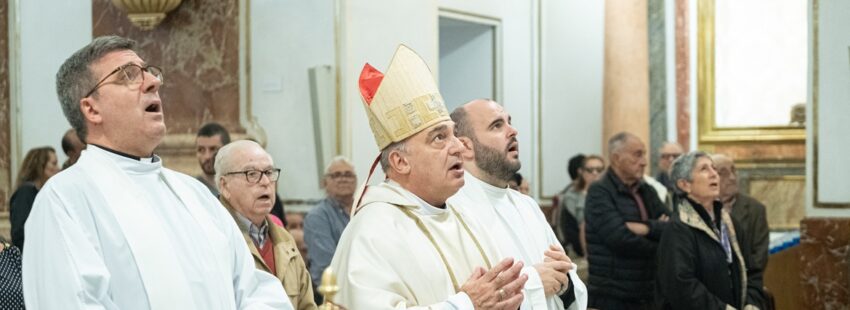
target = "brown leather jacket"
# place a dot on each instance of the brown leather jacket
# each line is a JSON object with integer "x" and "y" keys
{"x": 289, "y": 264}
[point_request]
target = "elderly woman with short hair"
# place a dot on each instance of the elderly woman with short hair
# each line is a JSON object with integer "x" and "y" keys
{"x": 700, "y": 265}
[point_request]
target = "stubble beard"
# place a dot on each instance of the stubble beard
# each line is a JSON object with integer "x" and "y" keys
{"x": 208, "y": 167}
{"x": 495, "y": 162}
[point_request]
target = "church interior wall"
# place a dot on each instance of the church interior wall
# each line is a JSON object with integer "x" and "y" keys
{"x": 30, "y": 115}
{"x": 370, "y": 32}
{"x": 571, "y": 99}
{"x": 287, "y": 38}
{"x": 38, "y": 51}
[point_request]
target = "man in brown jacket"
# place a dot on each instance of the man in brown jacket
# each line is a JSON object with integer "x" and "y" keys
{"x": 246, "y": 178}
{"x": 745, "y": 209}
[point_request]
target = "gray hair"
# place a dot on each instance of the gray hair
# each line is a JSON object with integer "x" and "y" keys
{"x": 337, "y": 159}
{"x": 75, "y": 77}
{"x": 385, "y": 153}
{"x": 224, "y": 162}
{"x": 617, "y": 141}
{"x": 683, "y": 168}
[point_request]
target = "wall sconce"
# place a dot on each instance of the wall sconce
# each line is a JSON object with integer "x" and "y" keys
{"x": 146, "y": 14}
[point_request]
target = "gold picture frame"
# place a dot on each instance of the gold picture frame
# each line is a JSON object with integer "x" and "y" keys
{"x": 709, "y": 132}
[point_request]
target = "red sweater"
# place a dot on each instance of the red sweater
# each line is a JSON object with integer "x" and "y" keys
{"x": 267, "y": 252}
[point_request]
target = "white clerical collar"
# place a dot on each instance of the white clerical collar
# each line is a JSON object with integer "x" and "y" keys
{"x": 427, "y": 209}
{"x": 129, "y": 163}
{"x": 151, "y": 159}
{"x": 490, "y": 190}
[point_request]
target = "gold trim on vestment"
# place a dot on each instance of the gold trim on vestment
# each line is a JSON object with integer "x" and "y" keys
{"x": 430, "y": 237}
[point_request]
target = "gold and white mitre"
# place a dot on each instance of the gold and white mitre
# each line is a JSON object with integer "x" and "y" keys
{"x": 402, "y": 102}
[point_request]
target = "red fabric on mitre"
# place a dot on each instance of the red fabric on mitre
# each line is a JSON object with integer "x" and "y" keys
{"x": 370, "y": 79}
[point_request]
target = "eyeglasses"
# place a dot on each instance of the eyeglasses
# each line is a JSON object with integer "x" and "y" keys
{"x": 340, "y": 174}
{"x": 254, "y": 176}
{"x": 131, "y": 75}
{"x": 593, "y": 169}
{"x": 670, "y": 156}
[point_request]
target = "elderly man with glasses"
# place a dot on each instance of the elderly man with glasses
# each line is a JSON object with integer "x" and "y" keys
{"x": 325, "y": 222}
{"x": 667, "y": 153}
{"x": 246, "y": 178}
{"x": 117, "y": 230}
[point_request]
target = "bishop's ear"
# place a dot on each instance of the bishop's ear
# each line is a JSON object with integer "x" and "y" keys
{"x": 398, "y": 162}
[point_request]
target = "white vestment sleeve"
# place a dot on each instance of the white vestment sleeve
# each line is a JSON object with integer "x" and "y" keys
{"x": 460, "y": 301}
{"x": 535, "y": 293}
{"x": 254, "y": 288}
{"x": 61, "y": 267}
{"x": 579, "y": 289}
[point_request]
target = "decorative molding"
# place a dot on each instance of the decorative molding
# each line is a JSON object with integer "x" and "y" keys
{"x": 146, "y": 14}
{"x": 815, "y": 101}
{"x": 785, "y": 212}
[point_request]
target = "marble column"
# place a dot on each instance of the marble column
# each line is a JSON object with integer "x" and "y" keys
{"x": 626, "y": 81}
{"x": 657, "y": 81}
{"x": 824, "y": 248}
{"x": 683, "y": 79}
{"x": 5, "y": 111}
{"x": 197, "y": 47}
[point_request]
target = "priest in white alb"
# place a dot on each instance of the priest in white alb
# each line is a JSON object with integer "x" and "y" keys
{"x": 511, "y": 220}
{"x": 118, "y": 230}
{"x": 406, "y": 248}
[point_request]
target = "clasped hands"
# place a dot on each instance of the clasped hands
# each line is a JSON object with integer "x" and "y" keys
{"x": 553, "y": 271}
{"x": 501, "y": 286}
{"x": 498, "y": 288}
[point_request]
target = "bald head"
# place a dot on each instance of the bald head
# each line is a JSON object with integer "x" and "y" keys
{"x": 464, "y": 115}
{"x": 627, "y": 155}
{"x": 725, "y": 167}
{"x": 233, "y": 155}
{"x": 491, "y": 149}
{"x": 618, "y": 142}
{"x": 722, "y": 159}
{"x": 247, "y": 179}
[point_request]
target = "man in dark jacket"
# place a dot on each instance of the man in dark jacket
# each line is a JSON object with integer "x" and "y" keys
{"x": 746, "y": 210}
{"x": 624, "y": 222}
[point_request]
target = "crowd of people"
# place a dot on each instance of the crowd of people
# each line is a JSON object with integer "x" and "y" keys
{"x": 451, "y": 226}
